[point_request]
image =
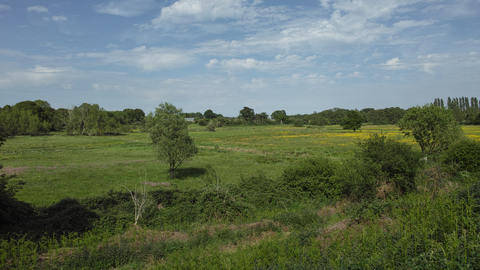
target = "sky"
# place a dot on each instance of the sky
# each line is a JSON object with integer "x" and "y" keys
{"x": 299, "y": 56}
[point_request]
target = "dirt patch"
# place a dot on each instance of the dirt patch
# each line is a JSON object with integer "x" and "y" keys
{"x": 166, "y": 184}
{"x": 14, "y": 170}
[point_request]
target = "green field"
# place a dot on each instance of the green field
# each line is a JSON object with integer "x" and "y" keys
{"x": 284, "y": 236}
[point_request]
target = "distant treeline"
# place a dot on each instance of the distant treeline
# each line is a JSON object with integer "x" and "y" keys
{"x": 38, "y": 118}
{"x": 466, "y": 111}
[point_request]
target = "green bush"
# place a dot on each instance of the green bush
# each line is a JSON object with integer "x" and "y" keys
{"x": 211, "y": 126}
{"x": 298, "y": 123}
{"x": 393, "y": 161}
{"x": 313, "y": 177}
{"x": 203, "y": 122}
{"x": 464, "y": 154}
{"x": 262, "y": 191}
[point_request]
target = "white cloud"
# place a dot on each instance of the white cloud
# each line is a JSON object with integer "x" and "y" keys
{"x": 392, "y": 64}
{"x": 47, "y": 19}
{"x": 38, "y": 9}
{"x": 147, "y": 59}
{"x": 210, "y": 15}
{"x": 37, "y": 76}
{"x": 281, "y": 63}
{"x": 200, "y": 11}
{"x": 255, "y": 84}
{"x": 4, "y": 7}
{"x": 126, "y": 8}
{"x": 355, "y": 74}
{"x": 411, "y": 23}
{"x": 60, "y": 18}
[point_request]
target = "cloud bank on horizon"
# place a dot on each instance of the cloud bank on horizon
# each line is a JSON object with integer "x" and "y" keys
{"x": 226, "y": 54}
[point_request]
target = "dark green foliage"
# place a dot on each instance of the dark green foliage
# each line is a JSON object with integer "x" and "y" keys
{"x": 220, "y": 205}
{"x": 262, "y": 191}
{"x": 298, "y": 123}
{"x": 464, "y": 155}
{"x": 358, "y": 180}
{"x": 369, "y": 209}
{"x": 353, "y": 120}
{"x": 203, "y": 122}
{"x": 247, "y": 114}
{"x": 393, "y": 161}
{"x": 313, "y": 177}
{"x": 280, "y": 116}
{"x": 471, "y": 193}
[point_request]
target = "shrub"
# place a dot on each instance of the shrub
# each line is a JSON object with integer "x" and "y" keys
{"x": 298, "y": 123}
{"x": 465, "y": 154}
{"x": 393, "y": 161}
{"x": 203, "y": 122}
{"x": 211, "y": 126}
{"x": 262, "y": 191}
{"x": 313, "y": 177}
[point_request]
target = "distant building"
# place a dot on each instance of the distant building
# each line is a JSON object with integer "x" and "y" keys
{"x": 190, "y": 119}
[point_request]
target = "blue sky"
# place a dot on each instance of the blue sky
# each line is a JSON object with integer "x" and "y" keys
{"x": 300, "y": 56}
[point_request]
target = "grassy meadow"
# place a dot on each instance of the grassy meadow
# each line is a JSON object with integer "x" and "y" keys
{"x": 428, "y": 229}
{"x": 58, "y": 166}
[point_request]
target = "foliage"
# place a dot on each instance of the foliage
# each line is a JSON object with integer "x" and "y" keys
{"x": 313, "y": 177}
{"x": 247, "y": 114}
{"x": 394, "y": 161}
{"x": 262, "y": 191}
{"x": 211, "y": 126}
{"x": 464, "y": 154}
{"x": 203, "y": 122}
{"x": 433, "y": 128}
{"x": 209, "y": 114}
{"x": 298, "y": 123}
{"x": 169, "y": 133}
{"x": 280, "y": 116}
{"x": 353, "y": 120}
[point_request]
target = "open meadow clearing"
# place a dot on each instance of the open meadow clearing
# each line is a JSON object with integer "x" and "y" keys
{"x": 58, "y": 166}
{"x": 227, "y": 208}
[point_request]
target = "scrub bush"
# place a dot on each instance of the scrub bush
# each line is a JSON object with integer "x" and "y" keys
{"x": 313, "y": 178}
{"x": 464, "y": 155}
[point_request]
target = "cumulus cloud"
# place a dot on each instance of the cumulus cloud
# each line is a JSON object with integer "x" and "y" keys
{"x": 4, "y": 7}
{"x": 38, "y": 9}
{"x": 146, "y": 59}
{"x": 60, "y": 18}
{"x": 126, "y": 8}
{"x": 205, "y": 14}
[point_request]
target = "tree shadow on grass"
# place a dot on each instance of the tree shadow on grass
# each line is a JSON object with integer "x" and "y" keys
{"x": 183, "y": 173}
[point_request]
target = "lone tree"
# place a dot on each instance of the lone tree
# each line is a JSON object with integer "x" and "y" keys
{"x": 353, "y": 120}
{"x": 169, "y": 133}
{"x": 433, "y": 127}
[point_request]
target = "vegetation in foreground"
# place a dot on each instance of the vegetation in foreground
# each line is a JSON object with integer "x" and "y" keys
{"x": 359, "y": 210}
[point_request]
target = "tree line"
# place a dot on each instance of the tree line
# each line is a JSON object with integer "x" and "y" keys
{"x": 465, "y": 110}
{"x": 39, "y": 118}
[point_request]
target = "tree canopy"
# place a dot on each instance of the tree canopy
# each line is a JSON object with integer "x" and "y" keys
{"x": 353, "y": 120}
{"x": 169, "y": 133}
{"x": 433, "y": 127}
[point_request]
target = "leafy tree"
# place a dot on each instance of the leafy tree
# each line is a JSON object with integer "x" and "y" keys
{"x": 247, "y": 113}
{"x": 433, "y": 127}
{"x": 209, "y": 114}
{"x": 280, "y": 116}
{"x": 353, "y": 120}
{"x": 169, "y": 133}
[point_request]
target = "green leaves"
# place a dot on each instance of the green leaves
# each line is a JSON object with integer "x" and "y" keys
{"x": 169, "y": 133}
{"x": 433, "y": 127}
